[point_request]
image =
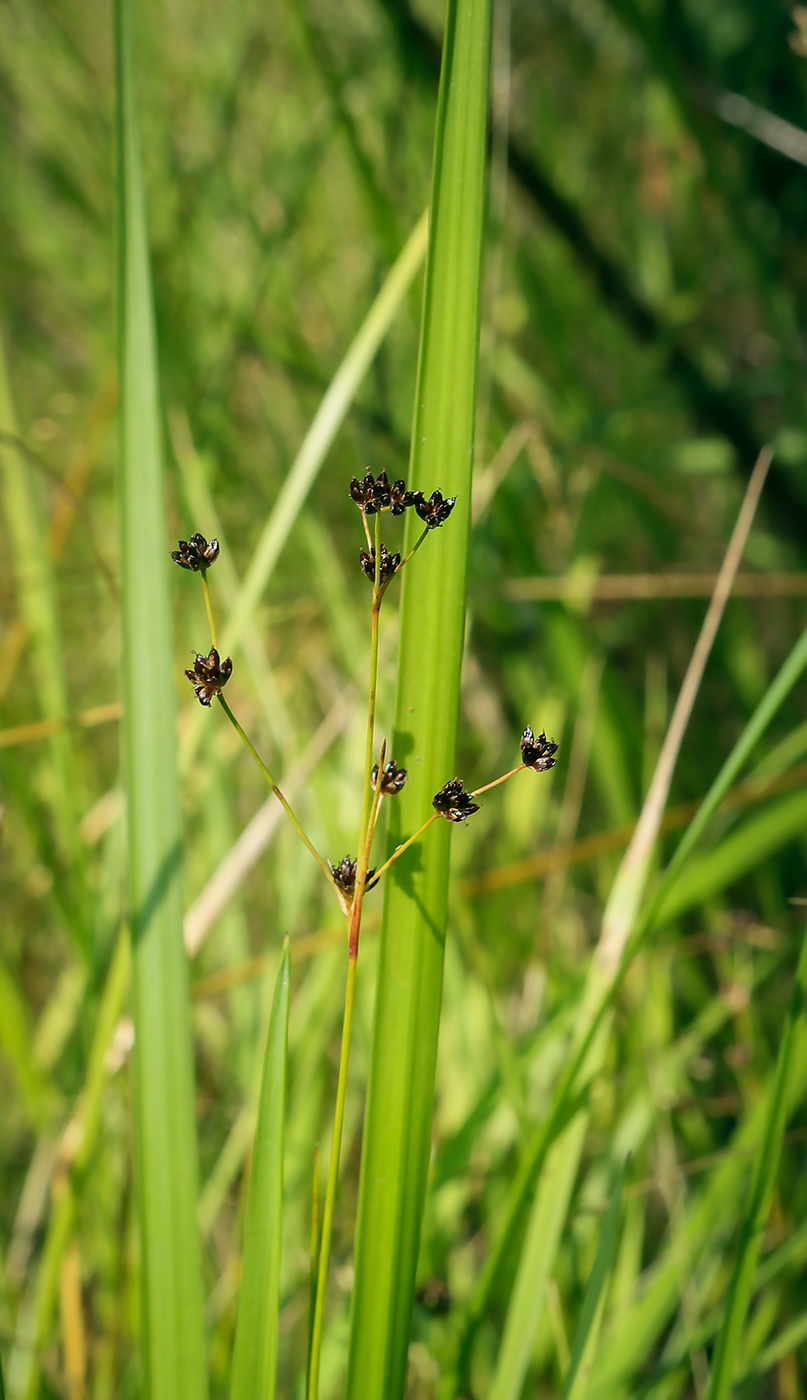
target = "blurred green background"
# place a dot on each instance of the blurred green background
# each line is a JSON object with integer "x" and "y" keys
{"x": 645, "y": 285}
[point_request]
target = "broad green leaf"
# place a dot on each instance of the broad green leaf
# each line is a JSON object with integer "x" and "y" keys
{"x": 163, "y": 1068}
{"x": 255, "y": 1356}
{"x": 397, "y": 1136}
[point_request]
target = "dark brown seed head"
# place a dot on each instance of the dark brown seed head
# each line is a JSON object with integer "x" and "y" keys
{"x": 196, "y": 553}
{"x": 453, "y": 803}
{"x": 344, "y": 877}
{"x": 392, "y": 778}
{"x": 400, "y": 497}
{"x": 389, "y": 563}
{"x": 434, "y": 511}
{"x": 209, "y": 675}
{"x": 538, "y": 754}
{"x": 373, "y": 494}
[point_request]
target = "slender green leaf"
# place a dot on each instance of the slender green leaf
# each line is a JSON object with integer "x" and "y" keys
{"x": 759, "y": 1199}
{"x": 36, "y": 594}
{"x": 537, "y": 1261}
{"x": 317, "y": 442}
{"x": 575, "y": 1386}
{"x": 397, "y": 1137}
{"x": 163, "y": 1070}
{"x": 255, "y": 1357}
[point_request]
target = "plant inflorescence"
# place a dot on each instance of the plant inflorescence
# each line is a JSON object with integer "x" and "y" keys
{"x": 351, "y": 877}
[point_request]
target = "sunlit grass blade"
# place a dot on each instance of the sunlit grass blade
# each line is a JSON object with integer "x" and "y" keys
{"x": 537, "y": 1261}
{"x": 317, "y": 442}
{"x": 604, "y": 975}
{"x": 166, "y": 1172}
{"x": 15, "y": 1044}
{"x": 759, "y": 1198}
{"x": 575, "y": 1386}
{"x": 255, "y": 1355}
{"x": 397, "y": 1136}
{"x": 771, "y": 702}
{"x": 79, "y": 1142}
{"x": 36, "y": 595}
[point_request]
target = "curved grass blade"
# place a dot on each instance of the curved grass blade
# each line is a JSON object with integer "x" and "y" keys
{"x": 397, "y": 1137}
{"x": 607, "y": 969}
{"x": 575, "y": 1386}
{"x": 255, "y": 1356}
{"x": 315, "y": 446}
{"x": 759, "y": 1199}
{"x": 537, "y": 1261}
{"x": 166, "y": 1172}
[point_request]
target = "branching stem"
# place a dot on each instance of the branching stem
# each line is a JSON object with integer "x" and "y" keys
{"x": 496, "y": 781}
{"x": 399, "y": 850}
{"x": 276, "y": 790}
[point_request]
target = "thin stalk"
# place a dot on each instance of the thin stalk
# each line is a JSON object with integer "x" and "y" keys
{"x": 413, "y": 551}
{"x": 208, "y": 605}
{"x": 276, "y": 790}
{"x": 496, "y": 781}
{"x": 333, "y": 1179}
{"x": 368, "y": 751}
{"x": 399, "y": 850}
{"x": 314, "y": 1251}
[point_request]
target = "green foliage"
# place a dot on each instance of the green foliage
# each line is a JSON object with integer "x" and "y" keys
{"x": 165, "y": 1142}
{"x": 255, "y": 1349}
{"x": 643, "y": 288}
{"x": 397, "y": 1133}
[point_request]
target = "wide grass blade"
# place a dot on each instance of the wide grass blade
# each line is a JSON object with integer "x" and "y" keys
{"x": 762, "y": 1185}
{"x": 163, "y": 1070}
{"x": 575, "y": 1386}
{"x": 255, "y": 1356}
{"x": 397, "y": 1133}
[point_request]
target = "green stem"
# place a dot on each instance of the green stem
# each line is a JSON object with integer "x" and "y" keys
{"x": 333, "y": 1179}
{"x": 368, "y": 752}
{"x": 496, "y": 781}
{"x": 209, "y": 607}
{"x": 276, "y": 790}
{"x": 413, "y": 550}
{"x": 399, "y": 850}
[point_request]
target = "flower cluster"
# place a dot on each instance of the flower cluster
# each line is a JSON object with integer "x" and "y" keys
{"x": 392, "y": 778}
{"x": 344, "y": 877}
{"x": 538, "y": 754}
{"x": 454, "y": 803}
{"x": 373, "y": 494}
{"x": 209, "y": 675}
{"x": 387, "y": 567}
{"x": 434, "y": 511}
{"x": 196, "y": 554}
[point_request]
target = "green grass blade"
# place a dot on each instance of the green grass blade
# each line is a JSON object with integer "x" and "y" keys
{"x": 762, "y": 1185}
{"x": 771, "y": 702}
{"x": 36, "y": 595}
{"x": 537, "y": 1262}
{"x": 320, "y": 435}
{"x": 309, "y": 460}
{"x": 585, "y": 1338}
{"x": 163, "y": 1068}
{"x": 397, "y": 1133}
{"x": 255, "y": 1356}
{"x": 16, "y": 1047}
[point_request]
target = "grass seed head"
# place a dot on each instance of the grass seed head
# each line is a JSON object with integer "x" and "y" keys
{"x": 209, "y": 675}
{"x": 196, "y": 554}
